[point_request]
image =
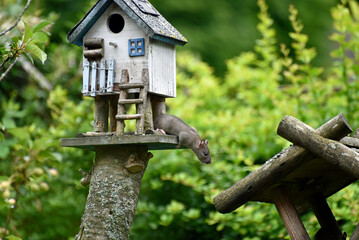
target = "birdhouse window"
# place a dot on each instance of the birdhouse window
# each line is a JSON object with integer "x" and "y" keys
{"x": 136, "y": 47}
{"x": 116, "y": 23}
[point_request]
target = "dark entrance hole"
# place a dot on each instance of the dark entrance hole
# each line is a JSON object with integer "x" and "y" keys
{"x": 116, "y": 23}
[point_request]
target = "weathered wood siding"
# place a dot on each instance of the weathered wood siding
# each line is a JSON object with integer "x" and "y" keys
{"x": 120, "y": 53}
{"x": 162, "y": 68}
{"x": 159, "y": 58}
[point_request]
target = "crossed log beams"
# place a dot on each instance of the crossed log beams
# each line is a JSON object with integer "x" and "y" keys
{"x": 276, "y": 169}
{"x": 334, "y": 152}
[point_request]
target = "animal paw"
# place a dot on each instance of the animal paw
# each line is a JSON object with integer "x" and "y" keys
{"x": 161, "y": 131}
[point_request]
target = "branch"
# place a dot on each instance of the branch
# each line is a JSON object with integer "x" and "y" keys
{"x": 35, "y": 74}
{"x": 9, "y": 68}
{"x": 18, "y": 19}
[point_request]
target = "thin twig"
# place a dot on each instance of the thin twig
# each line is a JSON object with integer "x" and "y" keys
{"x": 7, "y": 59}
{"x": 9, "y": 68}
{"x": 18, "y": 19}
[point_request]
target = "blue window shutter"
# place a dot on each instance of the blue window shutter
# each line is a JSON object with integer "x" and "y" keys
{"x": 136, "y": 47}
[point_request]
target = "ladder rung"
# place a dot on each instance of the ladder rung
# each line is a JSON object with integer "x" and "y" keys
{"x": 130, "y": 85}
{"x": 128, "y": 117}
{"x": 130, "y": 101}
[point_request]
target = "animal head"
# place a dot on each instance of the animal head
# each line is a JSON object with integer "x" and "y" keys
{"x": 202, "y": 152}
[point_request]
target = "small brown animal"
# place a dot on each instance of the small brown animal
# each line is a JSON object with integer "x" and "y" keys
{"x": 187, "y": 136}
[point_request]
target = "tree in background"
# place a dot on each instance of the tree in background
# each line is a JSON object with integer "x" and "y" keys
{"x": 237, "y": 112}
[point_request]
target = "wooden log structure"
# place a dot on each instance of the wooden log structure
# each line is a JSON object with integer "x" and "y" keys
{"x": 288, "y": 213}
{"x": 355, "y": 235}
{"x": 325, "y": 216}
{"x": 334, "y": 152}
{"x": 93, "y": 53}
{"x": 101, "y": 114}
{"x": 301, "y": 177}
{"x": 93, "y": 43}
{"x": 252, "y": 186}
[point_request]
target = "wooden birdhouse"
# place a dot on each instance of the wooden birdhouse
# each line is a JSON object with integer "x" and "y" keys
{"x": 129, "y": 57}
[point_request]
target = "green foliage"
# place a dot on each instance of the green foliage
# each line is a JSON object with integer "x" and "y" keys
{"x": 237, "y": 113}
{"x": 31, "y": 42}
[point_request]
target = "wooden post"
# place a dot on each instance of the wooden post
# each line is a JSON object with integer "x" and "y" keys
{"x": 334, "y": 152}
{"x": 113, "y": 112}
{"x": 101, "y": 114}
{"x": 324, "y": 215}
{"x": 158, "y": 105}
{"x": 276, "y": 167}
{"x": 113, "y": 194}
{"x": 355, "y": 235}
{"x": 290, "y": 217}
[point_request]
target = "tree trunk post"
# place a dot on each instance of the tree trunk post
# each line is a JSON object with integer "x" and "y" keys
{"x": 101, "y": 114}
{"x": 290, "y": 217}
{"x": 113, "y": 195}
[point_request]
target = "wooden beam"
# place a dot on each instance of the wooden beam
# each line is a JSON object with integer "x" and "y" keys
{"x": 275, "y": 168}
{"x": 101, "y": 114}
{"x": 334, "y": 152}
{"x": 355, "y": 235}
{"x": 113, "y": 100}
{"x": 290, "y": 217}
{"x": 93, "y": 43}
{"x": 324, "y": 215}
{"x": 90, "y": 141}
{"x": 93, "y": 53}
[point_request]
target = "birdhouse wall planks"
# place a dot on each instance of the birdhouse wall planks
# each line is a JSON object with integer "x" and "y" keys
{"x": 129, "y": 35}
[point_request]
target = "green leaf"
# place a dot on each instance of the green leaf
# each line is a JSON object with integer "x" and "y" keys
{"x": 29, "y": 57}
{"x": 20, "y": 133}
{"x": 28, "y": 33}
{"x": 15, "y": 39}
{"x": 4, "y": 150}
{"x": 13, "y": 238}
{"x": 35, "y": 50}
{"x": 38, "y": 37}
{"x": 41, "y": 25}
{"x": 8, "y": 123}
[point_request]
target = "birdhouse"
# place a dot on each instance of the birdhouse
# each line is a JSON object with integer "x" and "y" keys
{"x": 128, "y": 50}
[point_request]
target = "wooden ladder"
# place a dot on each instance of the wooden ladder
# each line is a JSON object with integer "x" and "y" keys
{"x": 141, "y": 103}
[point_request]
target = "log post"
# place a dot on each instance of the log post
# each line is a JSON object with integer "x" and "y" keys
{"x": 290, "y": 217}
{"x": 275, "y": 168}
{"x": 158, "y": 105}
{"x": 324, "y": 215}
{"x": 355, "y": 235}
{"x": 113, "y": 112}
{"x": 334, "y": 152}
{"x": 113, "y": 195}
{"x": 101, "y": 114}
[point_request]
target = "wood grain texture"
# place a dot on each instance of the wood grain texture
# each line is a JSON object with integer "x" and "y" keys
{"x": 253, "y": 186}
{"x": 324, "y": 215}
{"x": 290, "y": 217}
{"x": 153, "y": 142}
{"x": 101, "y": 114}
{"x": 355, "y": 235}
{"x": 334, "y": 152}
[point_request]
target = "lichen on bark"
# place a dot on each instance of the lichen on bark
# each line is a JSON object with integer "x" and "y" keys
{"x": 113, "y": 194}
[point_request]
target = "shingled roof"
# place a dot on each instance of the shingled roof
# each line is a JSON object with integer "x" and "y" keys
{"x": 154, "y": 25}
